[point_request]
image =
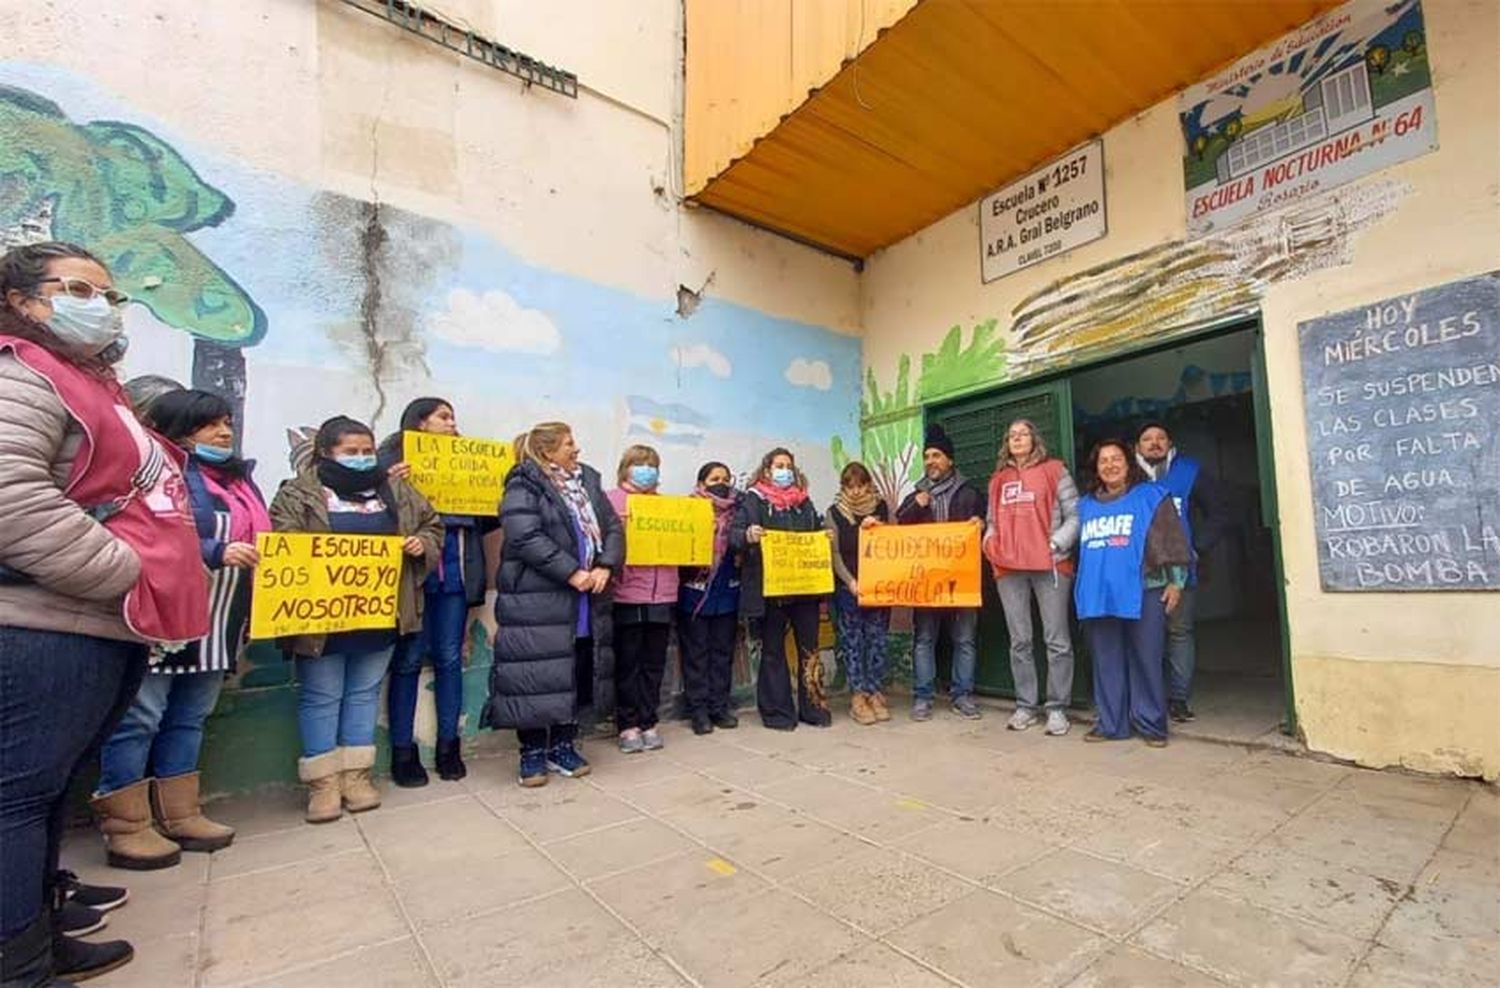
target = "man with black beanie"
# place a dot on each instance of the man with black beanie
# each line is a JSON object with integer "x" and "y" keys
{"x": 943, "y": 494}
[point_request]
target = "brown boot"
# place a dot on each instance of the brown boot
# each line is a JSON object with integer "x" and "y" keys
{"x": 321, "y": 773}
{"x": 359, "y": 793}
{"x": 180, "y": 816}
{"x": 125, "y": 821}
{"x": 860, "y": 709}
{"x": 878, "y": 706}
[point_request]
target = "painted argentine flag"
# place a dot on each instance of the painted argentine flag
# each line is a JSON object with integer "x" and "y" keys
{"x": 656, "y": 421}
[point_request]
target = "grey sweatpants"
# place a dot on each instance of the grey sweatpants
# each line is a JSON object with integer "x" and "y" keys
{"x": 1016, "y": 590}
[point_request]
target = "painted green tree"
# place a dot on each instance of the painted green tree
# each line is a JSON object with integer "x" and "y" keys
{"x": 954, "y": 367}
{"x": 128, "y": 196}
{"x": 891, "y": 433}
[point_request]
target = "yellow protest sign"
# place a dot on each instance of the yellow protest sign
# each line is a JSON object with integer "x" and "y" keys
{"x": 668, "y": 531}
{"x": 919, "y": 565}
{"x": 458, "y": 475}
{"x": 313, "y": 584}
{"x": 796, "y": 563}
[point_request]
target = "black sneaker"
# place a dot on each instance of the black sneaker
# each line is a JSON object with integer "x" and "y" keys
{"x": 79, "y": 960}
{"x": 100, "y": 897}
{"x": 75, "y": 919}
{"x": 726, "y": 720}
{"x": 702, "y": 725}
{"x": 1180, "y": 712}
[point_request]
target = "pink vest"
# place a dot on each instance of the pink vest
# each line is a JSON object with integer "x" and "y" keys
{"x": 642, "y": 584}
{"x": 131, "y": 482}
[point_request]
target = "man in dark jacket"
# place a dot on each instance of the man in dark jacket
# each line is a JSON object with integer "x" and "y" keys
{"x": 1204, "y": 515}
{"x": 943, "y": 495}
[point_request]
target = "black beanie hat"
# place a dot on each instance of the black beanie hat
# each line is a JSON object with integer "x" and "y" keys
{"x": 938, "y": 439}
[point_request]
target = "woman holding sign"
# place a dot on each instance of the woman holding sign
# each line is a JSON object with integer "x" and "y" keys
{"x": 643, "y": 617}
{"x": 344, "y": 491}
{"x": 1033, "y": 525}
{"x": 708, "y": 611}
{"x": 862, "y": 630}
{"x": 1132, "y": 565}
{"x": 554, "y": 652}
{"x": 778, "y": 501}
{"x": 163, "y": 729}
{"x": 456, "y": 584}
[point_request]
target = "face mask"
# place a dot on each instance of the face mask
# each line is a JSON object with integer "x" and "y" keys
{"x": 362, "y": 463}
{"x": 212, "y": 454}
{"x": 644, "y": 475}
{"x": 720, "y": 491}
{"x": 783, "y": 477}
{"x": 91, "y": 325}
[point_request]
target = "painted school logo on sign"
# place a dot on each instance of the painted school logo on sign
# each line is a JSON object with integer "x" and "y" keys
{"x": 1054, "y": 209}
{"x": 1346, "y": 95}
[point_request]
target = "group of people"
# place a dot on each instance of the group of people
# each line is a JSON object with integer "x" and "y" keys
{"x": 128, "y": 534}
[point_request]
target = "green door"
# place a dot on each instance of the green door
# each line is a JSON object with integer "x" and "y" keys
{"x": 977, "y": 425}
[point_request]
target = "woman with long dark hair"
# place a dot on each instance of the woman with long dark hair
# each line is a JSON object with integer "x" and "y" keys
{"x": 344, "y": 491}
{"x": 163, "y": 730}
{"x": 554, "y": 653}
{"x": 777, "y": 500}
{"x": 708, "y": 605}
{"x": 1132, "y": 564}
{"x": 458, "y": 582}
{"x": 98, "y": 559}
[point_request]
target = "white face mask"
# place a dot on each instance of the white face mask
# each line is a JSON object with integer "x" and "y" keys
{"x": 91, "y": 325}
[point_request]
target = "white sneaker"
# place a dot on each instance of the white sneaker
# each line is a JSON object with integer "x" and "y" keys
{"x": 1022, "y": 719}
{"x": 1057, "y": 723}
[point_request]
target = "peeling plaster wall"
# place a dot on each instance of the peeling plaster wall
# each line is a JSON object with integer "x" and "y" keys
{"x": 342, "y": 217}
{"x": 1410, "y": 679}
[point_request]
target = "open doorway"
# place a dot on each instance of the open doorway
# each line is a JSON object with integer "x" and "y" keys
{"x": 1203, "y": 392}
{"x": 1207, "y": 391}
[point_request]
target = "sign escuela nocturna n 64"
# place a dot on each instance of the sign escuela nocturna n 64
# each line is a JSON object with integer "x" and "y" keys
{"x": 1054, "y": 209}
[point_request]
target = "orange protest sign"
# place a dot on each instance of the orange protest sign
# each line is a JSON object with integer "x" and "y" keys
{"x": 919, "y": 565}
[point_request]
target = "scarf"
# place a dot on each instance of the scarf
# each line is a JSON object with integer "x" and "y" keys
{"x": 247, "y": 513}
{"x": 941, "y": 492}
{"x": 856, "y": 508}
{"x": 569, "y": 484}
{"x": 724, "y": 509}
{"x": 1159, "y": 471}
{"x": 780, "y": 498}
{"x": 351, "y": 485}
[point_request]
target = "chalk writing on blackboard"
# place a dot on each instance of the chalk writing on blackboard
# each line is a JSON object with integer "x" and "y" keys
{"x": 1403, "y": 401}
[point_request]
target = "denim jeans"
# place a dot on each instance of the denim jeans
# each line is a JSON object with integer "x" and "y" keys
{"x": 962, "y": 624}
{"x": 1182, "y": 647}
{"x": 339, "y": 698}
{"x": 445, "y": 621}
{"x": 60, "y": 697}
{"x": 162, "y": 731}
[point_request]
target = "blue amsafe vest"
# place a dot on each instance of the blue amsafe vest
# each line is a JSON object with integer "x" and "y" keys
{"x": 1179, "y": 481}
{"x": 1112, "y": 552}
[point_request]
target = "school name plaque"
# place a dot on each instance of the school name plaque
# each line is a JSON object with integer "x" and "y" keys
{"x": 1403, "y": 408}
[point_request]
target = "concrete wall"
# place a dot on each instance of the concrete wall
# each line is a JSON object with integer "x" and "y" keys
{"x": 1409, "y": 679}
{"x": 328, "y": 215}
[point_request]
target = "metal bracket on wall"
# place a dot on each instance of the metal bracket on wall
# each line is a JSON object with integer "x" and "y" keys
{"x": 426, "y": 23}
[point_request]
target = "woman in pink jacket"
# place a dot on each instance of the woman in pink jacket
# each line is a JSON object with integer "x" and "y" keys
{"x": 644, "y": 598}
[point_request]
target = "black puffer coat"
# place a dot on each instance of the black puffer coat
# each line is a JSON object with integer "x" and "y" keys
{"x": 532, "y": 683}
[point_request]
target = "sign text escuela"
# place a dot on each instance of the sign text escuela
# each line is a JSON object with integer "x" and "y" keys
{"x": 458, "y": 475}
{"x": 308, "y": 584}
{"x": 936, "y": 565}
{"x": 1054, "y": 209}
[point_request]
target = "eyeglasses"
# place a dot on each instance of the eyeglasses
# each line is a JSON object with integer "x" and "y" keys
{"x": 85, "y": 290}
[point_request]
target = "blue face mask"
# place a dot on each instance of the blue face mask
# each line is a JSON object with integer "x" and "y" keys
{"x": 212, "y": 454}
{"x": 644, "y": 475}
{"x": 363, "y": 463}
{"x": 783, "y": 477}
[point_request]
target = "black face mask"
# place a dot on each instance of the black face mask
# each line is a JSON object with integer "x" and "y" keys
{"x": 357, "y": 485}
{"x": 720, "y": 491}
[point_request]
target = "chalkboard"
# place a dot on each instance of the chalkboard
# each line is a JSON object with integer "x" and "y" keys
{"x": 1403, "y": 410}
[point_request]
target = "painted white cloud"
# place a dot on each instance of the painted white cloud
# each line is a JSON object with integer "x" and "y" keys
{"x": 702, "y": 355}
{"x": 809, "y": 374}
{"x": 494, "y": 321}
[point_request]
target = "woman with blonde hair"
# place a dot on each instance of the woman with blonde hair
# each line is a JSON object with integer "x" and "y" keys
{"x": 643, "y": 616}
{"x": 554, "y": 650}
{"x": 1033, "y": 526}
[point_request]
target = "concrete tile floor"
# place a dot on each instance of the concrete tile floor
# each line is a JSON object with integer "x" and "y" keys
{"x": 950, "y": 852}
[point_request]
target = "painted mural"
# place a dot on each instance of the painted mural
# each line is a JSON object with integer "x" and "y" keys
{"x": 298, "y": 304}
